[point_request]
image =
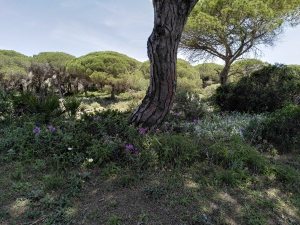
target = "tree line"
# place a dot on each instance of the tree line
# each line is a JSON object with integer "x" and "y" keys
{"x": 62, "y": 73}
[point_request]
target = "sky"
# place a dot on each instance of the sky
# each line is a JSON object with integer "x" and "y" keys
{"x": 78, "y": 27}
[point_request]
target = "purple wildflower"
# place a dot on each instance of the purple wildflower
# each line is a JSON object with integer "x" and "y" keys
{"x": 242, "y": 128}
{"x": 131, "y": 148}
{"x": 105, "y": 139}
{"x": 196, "y": 121}
{"x": 51, "y": 128}
{"x": 143, "y": 130}
{"x": 36, "y": 130}
{"x": 176, "y": 114}
{"x": 96, "y": 119}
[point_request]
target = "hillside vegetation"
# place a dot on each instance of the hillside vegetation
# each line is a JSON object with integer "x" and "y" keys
{"x": 225, "y": 155}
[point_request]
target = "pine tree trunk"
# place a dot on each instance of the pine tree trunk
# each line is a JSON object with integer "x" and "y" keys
{"x": 112, "y": 93}
{"x": 169, "y": 19}
{"x": 224, "y": 73}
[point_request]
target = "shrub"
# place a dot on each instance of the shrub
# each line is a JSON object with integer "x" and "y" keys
{"x": 5, "y": 106}
{"x": 72, "y": 105}
{"x": 283, "y": 128}
{"x": 253, "y": 132}
{"x": 266, "y": 90}
{"x": 5, "y": 103}
{"x": 101, "y": 137}
{"x": 189, "y": 105}
{"x": 48, "y": 107}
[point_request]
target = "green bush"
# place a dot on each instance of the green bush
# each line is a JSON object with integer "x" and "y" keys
{"x": 47, "y": 107}
{"x": 253, "y": 132}
{"x": 266, "y": 90}
{"x": 189, "y": 105}
{"x": 6, "y": 108}
{"x": 72, "y": 105}
{"x": 5, "y": 103}
{"x": 282, "y": 128}
{"x": 101, "y": 137}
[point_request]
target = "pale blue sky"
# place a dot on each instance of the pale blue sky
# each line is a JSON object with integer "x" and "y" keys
{"x": 79, "y": 27}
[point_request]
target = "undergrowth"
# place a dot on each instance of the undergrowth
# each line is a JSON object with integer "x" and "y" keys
{"x": 203, "y": 168}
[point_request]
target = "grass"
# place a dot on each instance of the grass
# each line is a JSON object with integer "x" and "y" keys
{"x": 206, "y": 172}
{"x": 101, "y": 101}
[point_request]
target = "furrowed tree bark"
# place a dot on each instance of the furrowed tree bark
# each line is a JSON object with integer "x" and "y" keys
{"x": 224, "y": 73}
{"x": 169, "y": 19}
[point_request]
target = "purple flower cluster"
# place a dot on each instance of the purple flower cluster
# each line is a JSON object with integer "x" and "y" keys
{"x": 51, "y": 128}
{"x": 96, "y": 119}
{"x": 196, "y": 121}
{"x": 132, "y": 149}
{"x": 242, "y": 128}
{"x": 36, "y": 130}
{"x": 105, "y": 139}
{"x": 176, "y": 114}
{"x": 143, "y": 130}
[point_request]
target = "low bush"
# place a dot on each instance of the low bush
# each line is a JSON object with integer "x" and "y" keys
{"x": 72, "y": 105}
{"x": 253, "y": 132}
{"x": 189, "y": 105}
{"x": 5, "y": 103}
{"x": 278, "y": 130}
{"x": 282, "y": 128}
{"x": 67, "y": 142}
{"x": 6, "y": 108}
{"x": 265, "y": 90}
{"x": 47, "y": 107}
